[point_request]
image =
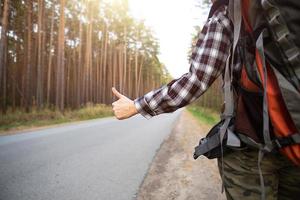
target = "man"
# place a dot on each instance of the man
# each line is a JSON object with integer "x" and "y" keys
{"x": 208, "y": 60}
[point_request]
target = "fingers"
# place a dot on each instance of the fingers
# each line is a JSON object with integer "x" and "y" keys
{"x": 116, "y": 93}
{"x": 120, "y": 110}
{"x": 123, "y": 108}
{"x": 119, "y": 114}
{"x": 116, "y": 109}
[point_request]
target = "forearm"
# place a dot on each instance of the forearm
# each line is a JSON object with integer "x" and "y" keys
{"x": 176, "y": 94}
{"x": 207, "y": 63}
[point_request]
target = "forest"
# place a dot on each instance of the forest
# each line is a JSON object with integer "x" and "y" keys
{"x": 62, "y": 54}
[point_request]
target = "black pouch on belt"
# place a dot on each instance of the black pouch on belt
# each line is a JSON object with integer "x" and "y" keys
{"x": 210, "y": 146}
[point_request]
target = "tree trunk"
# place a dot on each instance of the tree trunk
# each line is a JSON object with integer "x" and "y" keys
{"x": 120, "y": 68}
{"x": 68, "y": 68}
{"x": 130, "y": 82}
{"x": 140, "y": 76}
{"x": 28, "y": 57}
{"x": 79, "y": 70}
{"x": 114, "y": 66}
{"x": 110, "y": 72}
{"x": 49, "y": 71}
{"x": 39, "y": 91}
{"x": 88, "y": 58}
{"x": 60, "y": 87}
{"x": 3, "y": 54}
{"x": 75, "y": 80}
{"x": 98, "y": 72}
{"x": 125, "y": 60}
{"x": 105, "y": 66}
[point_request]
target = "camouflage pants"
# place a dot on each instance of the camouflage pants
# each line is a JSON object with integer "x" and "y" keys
{"x": 241, "y": 176}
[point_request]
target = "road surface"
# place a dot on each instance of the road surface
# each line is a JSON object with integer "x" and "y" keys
{"x": 103, "y": 159}
{"x": 175, "y": 175}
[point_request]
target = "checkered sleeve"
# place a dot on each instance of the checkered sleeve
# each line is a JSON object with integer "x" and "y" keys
{"x": 207, "y": 63}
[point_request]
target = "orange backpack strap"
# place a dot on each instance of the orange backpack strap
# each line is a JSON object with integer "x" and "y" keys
{"x": 284, "y": 126}
{"x": 274, "y": 105}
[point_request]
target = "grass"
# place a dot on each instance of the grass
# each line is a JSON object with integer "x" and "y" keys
{"x": 19, "y": 120}
{"x": 204, "y": 114}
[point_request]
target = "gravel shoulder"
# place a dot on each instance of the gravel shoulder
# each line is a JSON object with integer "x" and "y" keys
{"x": 174, "y": 174}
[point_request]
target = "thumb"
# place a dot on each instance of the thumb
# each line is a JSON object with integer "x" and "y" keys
{"x": 116, "y": 93}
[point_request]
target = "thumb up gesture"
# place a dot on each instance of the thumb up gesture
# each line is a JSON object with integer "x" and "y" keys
{"x": 124, "y": 107}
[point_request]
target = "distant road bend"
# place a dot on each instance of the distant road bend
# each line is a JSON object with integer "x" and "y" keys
{"x": 102, "y": 159}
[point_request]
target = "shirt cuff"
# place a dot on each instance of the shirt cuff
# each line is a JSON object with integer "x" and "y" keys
{"x": 143, "y": 107}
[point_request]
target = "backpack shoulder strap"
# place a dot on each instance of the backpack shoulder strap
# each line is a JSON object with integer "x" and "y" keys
{"x": 283, "y": 36}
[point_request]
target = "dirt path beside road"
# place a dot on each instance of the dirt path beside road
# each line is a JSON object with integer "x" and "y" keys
{"x": 175, "y": 175}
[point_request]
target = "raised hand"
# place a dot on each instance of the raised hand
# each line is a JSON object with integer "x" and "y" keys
{"x": 124, "y": 107}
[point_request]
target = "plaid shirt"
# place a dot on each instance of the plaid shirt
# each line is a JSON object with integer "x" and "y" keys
{"x": 207, "y": 63}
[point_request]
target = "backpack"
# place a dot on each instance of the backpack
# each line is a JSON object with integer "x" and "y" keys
{"x": 271, "y": 28}
{"x": 265, "y": 37}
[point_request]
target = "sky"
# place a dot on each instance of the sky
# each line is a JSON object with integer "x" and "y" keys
{"x": 173, "y": 24}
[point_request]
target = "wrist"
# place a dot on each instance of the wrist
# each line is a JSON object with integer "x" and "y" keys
{"x": 143, "y": 108}
{"x": 133, "y": 108}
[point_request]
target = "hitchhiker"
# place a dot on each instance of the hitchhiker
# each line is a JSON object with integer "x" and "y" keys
{"x": 255, "y": 46}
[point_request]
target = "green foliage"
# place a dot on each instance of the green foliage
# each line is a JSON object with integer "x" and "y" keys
{"x": 18, "y": 119}
{"x": 205, "y": 115}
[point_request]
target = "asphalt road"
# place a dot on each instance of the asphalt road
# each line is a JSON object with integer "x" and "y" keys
{"x": 103, "y": 159}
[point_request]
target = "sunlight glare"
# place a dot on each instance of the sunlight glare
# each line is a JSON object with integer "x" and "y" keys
{"x": 173, "y": 23}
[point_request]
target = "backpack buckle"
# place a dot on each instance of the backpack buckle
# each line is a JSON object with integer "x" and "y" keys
{"x": 284, "y": 142}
